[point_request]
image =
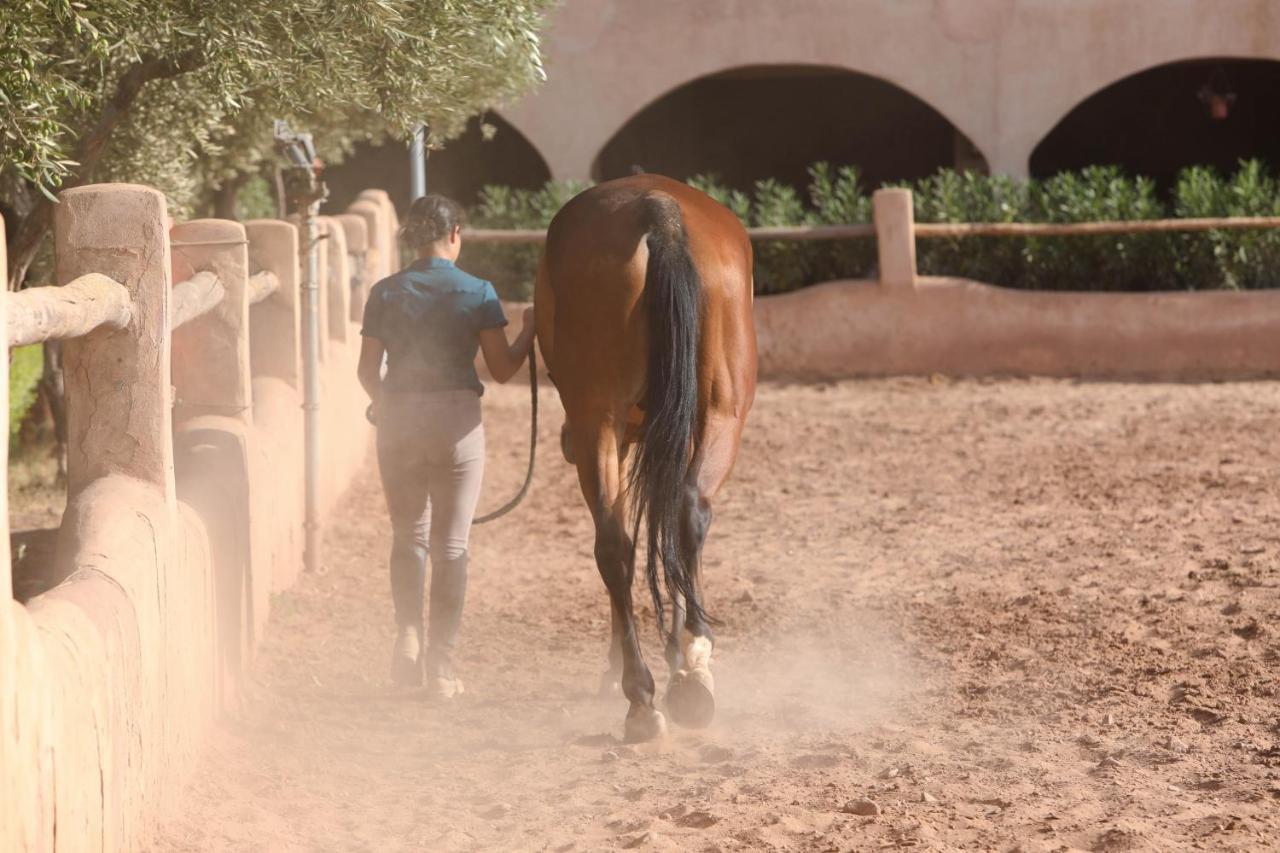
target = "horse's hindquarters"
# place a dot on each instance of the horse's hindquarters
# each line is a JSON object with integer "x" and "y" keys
{"x": 644, "y": 305}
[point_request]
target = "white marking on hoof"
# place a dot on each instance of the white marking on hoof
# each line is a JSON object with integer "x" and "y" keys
{"x": 697, "y": 652}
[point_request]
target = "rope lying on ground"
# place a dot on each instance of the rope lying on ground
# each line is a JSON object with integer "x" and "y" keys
{"x": 533, "y": 444}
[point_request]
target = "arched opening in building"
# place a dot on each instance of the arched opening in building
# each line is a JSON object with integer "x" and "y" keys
{"x": 1204, "y": 112}
{"x": 459, "y": 170}
{"x": 775, "y": 121}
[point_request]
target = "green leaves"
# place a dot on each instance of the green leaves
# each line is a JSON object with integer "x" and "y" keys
{"x": 512, "y": 267}
{"x": 26, "y": 364}
{"x": 344, "y": 69}
{"x": 835, "y": 196}
{"x": 1125, "y": 262}
{"x": 1241, "y": 259}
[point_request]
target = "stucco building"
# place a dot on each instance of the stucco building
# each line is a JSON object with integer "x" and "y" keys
{"x": 761, "y": 88}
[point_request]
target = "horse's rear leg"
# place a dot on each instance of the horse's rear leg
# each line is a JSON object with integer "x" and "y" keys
{"x": 691, "y": 690}
{"x": 599, "y": 474}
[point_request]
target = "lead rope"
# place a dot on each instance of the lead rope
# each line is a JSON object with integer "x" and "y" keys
{"x": 533, "y": 444}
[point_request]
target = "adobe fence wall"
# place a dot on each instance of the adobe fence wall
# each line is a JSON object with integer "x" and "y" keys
{"x": 185, "y": 495}
{"x": 907, "y": 324}
{"x": 957, "y": 327}
{"x": 904, "y": 323}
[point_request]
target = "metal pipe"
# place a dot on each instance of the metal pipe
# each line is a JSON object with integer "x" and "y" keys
{"x": 311, "y": 387}
{"x": 417, "y": 164}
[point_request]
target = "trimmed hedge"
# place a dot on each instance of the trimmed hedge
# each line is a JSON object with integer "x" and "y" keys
{"x": 513, "y": 267}
{"x": 1195, "y": 261}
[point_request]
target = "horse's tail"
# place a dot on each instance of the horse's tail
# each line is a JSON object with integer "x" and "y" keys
{"x": 672, "y": 298}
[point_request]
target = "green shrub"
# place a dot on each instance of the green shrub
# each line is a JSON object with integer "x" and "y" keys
{"x": 780, "y": 265}
{"x": 835, "y": 195}
{"x": 967, "y": 196}
{"x": 1103, "y": 262}
{"x": 25, "y": 366}
{"x": 1236, "y": 259}
{"x": 257, "y": 200}
{"x": 513, "y": 267}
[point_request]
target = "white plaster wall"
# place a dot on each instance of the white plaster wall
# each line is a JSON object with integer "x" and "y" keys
{"x": 1003, "y": 71}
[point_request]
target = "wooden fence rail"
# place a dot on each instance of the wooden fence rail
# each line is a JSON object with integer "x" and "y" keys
{"x": 59, "y": 313}
{"x": 1090, "y": 229}
{"x": 262, "y": 285}
{"x": 934, "y": 230}
{"x": 195, "y": 297}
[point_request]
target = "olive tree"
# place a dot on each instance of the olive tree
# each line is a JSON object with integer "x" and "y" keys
{"x": 181, "y": 95}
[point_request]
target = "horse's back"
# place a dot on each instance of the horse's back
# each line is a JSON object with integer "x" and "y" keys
{"x": 593, "y": 279}
{"x": 604, "y": 228}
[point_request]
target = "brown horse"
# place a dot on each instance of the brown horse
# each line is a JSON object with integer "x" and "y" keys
{"x": 644, "y": 318}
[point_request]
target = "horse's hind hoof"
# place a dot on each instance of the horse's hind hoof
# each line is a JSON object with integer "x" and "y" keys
{"x": 644, "y": 724}
{"x": 691, "y": 698}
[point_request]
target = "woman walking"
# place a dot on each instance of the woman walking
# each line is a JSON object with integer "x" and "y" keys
{"x": 429, "y": 320}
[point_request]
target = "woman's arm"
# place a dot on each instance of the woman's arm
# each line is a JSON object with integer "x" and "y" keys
{"x": 504, "y": 359}
{"x": 369, "y": 370}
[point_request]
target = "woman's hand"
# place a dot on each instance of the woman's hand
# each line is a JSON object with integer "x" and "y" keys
{"x": 502, "y": 358}
{"x": 528, "y": 330}
{"x": 369, "y": 369}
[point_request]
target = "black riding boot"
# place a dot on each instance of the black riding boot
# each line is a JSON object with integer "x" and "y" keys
{"x": 448, "y": 592}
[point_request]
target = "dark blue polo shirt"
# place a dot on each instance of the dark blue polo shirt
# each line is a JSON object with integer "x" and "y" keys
{"x": 429, "y": 316}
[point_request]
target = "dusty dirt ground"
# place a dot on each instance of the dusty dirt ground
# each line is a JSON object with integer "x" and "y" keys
{"x": 1015, "y": 615}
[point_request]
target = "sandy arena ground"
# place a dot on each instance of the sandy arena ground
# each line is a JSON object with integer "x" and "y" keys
{"x": 1015, "y": 615}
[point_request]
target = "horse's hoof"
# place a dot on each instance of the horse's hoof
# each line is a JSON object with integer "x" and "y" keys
{"x": 691, "y": 698}
{"x": 645, "y": 724}
{"x": 610, "y": 685}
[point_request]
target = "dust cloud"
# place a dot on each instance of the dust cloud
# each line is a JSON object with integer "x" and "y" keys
{"x": 985, "y": 615}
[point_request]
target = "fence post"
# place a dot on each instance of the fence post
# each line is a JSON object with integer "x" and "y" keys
{"x": 357, "y": 235}
{"x": 14, "y": 766}
{"x": 6, "y": 566}
{"x": 275, "y": 354}
{"x": 378, "y": 256}
{"x": 388, "y": 240}
{"x": 337, "y": 285}
{"x": 213, "y": 385}
{"x": 211, "y": 353}
{"x": 275, "y": 322}
{"x": 117, "y": 381}
{"x": 895, "y": 238}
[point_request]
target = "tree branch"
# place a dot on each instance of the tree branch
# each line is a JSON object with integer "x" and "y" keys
{"x": 92, "y": 144}
{"x": 34, "y": 227}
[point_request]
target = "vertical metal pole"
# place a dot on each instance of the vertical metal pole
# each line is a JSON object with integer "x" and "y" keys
{"x": 311, "y": 387}
{"x": 417, "y": 164}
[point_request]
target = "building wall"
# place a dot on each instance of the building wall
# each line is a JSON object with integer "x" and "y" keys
{"x": 1004, "y": 72}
